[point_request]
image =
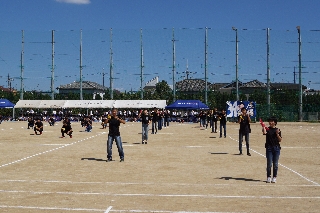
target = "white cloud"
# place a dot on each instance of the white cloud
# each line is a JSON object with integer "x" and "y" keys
{"x": 75, "y": 1}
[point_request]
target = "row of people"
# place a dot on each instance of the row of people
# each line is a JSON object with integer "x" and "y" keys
{"x": 272, "y": 145}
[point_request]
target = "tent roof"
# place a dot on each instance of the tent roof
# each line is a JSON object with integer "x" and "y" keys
{"x": 5, "y": 103}
{"x": 90, "y": 104}
{"x": 187, "y": 104}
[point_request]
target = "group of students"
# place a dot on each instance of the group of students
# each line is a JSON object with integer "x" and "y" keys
{"x": 273, "y": 136}
{"x": 272, "y": 144}
{"x": 211, "y": 118}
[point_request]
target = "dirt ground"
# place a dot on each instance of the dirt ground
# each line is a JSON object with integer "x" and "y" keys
{"x": 183, "y": 168}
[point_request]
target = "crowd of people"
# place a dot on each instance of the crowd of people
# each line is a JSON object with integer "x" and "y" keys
{"x": 159, "y": 119}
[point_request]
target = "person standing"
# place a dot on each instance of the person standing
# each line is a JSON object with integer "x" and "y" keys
{"x": 166, "y": 118}
{"x": 214, "y": 117}
{"x": 244, "y": 121}
{"x": 114, "y": 135}
{"x": 272, "y": 145}
{"x": 160, "y": 119}
{"x": 154, "y": 118}
{"x": 145, "y": 120}
{"x": 202, "y": 117}
{"x": 223, "y": 123}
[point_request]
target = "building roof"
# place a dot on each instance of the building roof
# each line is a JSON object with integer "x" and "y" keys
{"x": 85, "y": 85}
{"x": 290, "y": 86}
{"x": 192, "y": 85}
{"x": 254, "y": 83}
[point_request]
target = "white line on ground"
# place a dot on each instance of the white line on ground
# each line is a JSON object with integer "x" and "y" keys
{"x": 63, "y": 146}
{"x": 152, "y": 183}
{"x": 54, "y": 144}
{"x": 108, "y": 209}
{"x": 51, "y": 208}
{"x": 283, "y": 165}
{"x": 99, "y": 210}
{"x": 163, "y": 195}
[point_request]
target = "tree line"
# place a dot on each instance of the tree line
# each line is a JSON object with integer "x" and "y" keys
{"x": 283, "y": 102}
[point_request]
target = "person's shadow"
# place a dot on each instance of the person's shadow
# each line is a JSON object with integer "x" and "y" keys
{"x": 236, "y": 178}
{"x": 95, "y": 159}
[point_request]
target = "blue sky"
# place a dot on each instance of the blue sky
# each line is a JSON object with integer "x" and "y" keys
{"x": 126, "y": 17}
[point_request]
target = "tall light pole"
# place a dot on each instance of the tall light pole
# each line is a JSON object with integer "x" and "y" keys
{"x": 22, "y": 67}
{"x": 173, "y": 66}
{"x": 81, "y": 97}
{"x": 237, "y": 82}
{"x": 300, "y": 77}
{"x": 52, "y": 66}
{"x": 111, "y": 66}
{"x": 141, "y": 65}
{"x": 268, "y": 70}
{"x": 206, "y": 64}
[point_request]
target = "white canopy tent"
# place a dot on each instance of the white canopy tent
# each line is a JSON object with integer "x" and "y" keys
{"x": 90, "y": 104}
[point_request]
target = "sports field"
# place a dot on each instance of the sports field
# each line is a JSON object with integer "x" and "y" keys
{"x": 183, "y": 169}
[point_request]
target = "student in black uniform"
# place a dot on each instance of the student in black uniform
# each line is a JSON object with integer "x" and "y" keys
{"x": 114, "y": 135}
{"x": 30, "y": 122}
{"x": 214, "y": 117}
{"x": 272, "y": 145}
{"x": 38, "y": 126}
{"x": 244, "y": 121}
{"x": 51, "y": 121}
{"x": 154, "y": 118}
{"x": 145, "y": 120}
{"x": 223, "y": 123}
{"x": 66, "y": 129}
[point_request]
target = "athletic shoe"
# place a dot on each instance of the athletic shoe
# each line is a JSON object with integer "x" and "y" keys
{"x": 146, "y": 142}
{"x": 142, "y": 142}
{"x": 121, "y": 160}
{"x": 109, "y": 159}
{"x": 240, "y": 153}
{"x": 70, "y": 136}
{"x": 274, "y": 180}
{"x": 248, "y": 154}
{"x": 269, "y": 180}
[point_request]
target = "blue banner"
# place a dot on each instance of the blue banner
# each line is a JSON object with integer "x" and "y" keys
{"x": 234, "y": 108}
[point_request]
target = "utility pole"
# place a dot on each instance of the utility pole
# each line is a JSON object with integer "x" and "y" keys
{"x": 141, "y": 65}
{"x": 237, "y": 82}
{"x": 300, "y": 77}
{"x": 268, "y": 70}
{"x": 81, "y": 97}
{"x": 206, "y": 64}
{"x": 22, "y": 67}
{"x": 173, "y": 66}
{"x": 111, "y": 66}
{"x": 52, "y": 67}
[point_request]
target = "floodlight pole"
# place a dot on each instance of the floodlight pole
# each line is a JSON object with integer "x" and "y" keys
{"x": 205, "y": 65}
{"x": 173, "y": 66}
{"x": 141, "y": 65}
{"x": 300, "y": 77}
{"x": 268, "y": 70}
{"x": 81, "y": 97}
{"x": 52, "y": 67}
{"x": 22, "y": 67}
{"x": 237, "y": 82}
{"x": 111, "y": 66}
